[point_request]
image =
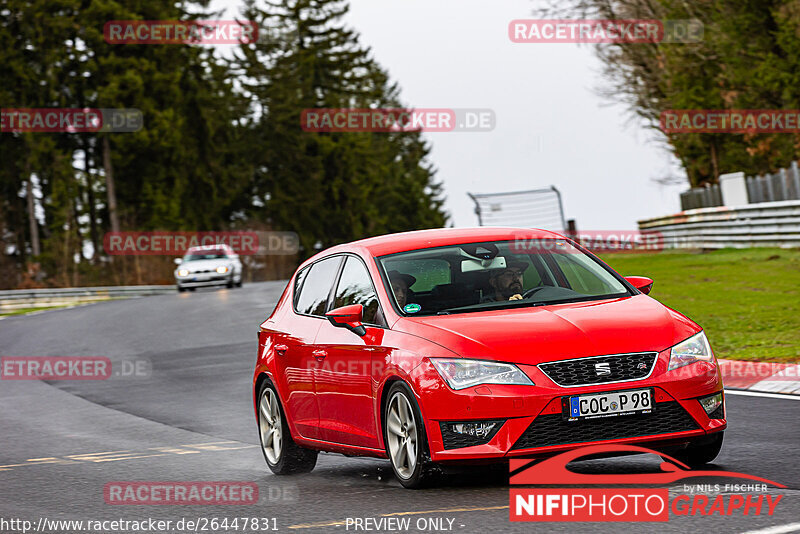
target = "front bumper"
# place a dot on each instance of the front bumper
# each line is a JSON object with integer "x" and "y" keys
{"x": 533, "y": 423}
{"x": 203, "y": 280}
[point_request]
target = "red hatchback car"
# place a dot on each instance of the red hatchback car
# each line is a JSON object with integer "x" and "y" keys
{"x": 474, "y": 345}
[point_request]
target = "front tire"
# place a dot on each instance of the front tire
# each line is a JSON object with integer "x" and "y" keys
{"x": 282, "y": 454}
{"x": 700, "y": 454}
{"x": 405, "y": 438}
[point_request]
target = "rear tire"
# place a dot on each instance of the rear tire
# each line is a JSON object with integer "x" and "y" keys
{"x": 405, "y": 439}
{"x": 698, "y": 455}
{"x": 282, "y": 454}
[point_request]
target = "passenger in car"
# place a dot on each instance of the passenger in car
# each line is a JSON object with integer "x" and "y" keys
{"x": 506, "y": 284}
{"x": 401, "y": 284}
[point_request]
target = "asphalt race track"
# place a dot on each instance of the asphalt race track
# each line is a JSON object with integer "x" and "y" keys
{"x": 189, "y": 417}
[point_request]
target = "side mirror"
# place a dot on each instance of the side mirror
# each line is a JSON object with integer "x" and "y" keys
{"x": 641, "y": 283}
{"x": 178, "y": 261}
{"x": 348, "y": 317}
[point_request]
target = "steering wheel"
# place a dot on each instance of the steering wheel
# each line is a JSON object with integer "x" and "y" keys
{"x": 531, "y": 292}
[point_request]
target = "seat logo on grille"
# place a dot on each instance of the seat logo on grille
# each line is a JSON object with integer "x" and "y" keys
{"x": 602, "y": 369}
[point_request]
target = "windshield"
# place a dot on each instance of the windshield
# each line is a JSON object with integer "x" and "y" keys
{"x": 496, "y": 275}
{"x": 213, "y": 255}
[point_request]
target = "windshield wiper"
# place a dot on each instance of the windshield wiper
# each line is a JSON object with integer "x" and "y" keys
{"x": 513, "y": 304}
{"x": 483, "y": 306}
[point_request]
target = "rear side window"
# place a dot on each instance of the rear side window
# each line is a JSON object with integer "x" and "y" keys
{"x": 316, "y": 286}
{"x": 355, "y": 287}
{"x": 298, "y": 283}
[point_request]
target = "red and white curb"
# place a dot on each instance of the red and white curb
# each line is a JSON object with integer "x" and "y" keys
{"x": 765, "y": 377}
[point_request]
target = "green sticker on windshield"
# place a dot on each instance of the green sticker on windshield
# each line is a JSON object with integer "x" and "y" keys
{"x": 412, "y": 308}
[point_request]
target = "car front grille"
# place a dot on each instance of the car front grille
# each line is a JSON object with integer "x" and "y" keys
{"x": 600, "y": 369}
{"x": 552, "y": 429}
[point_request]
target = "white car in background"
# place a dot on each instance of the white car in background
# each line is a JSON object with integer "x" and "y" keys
{"x": 211, "y": 265}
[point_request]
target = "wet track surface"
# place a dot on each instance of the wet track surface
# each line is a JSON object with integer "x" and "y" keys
{"x": 191, "y": 418}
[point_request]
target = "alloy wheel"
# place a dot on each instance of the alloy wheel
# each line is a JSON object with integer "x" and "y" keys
{"x": 402, "y": 435}
{"x": 269, "y": 419}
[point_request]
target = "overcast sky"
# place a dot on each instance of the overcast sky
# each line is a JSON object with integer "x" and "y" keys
{"x": 552, "y": 127}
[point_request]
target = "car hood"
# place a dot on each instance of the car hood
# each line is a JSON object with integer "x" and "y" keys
{"x": 203, "y": 265}
{"x": 556, "y": 332}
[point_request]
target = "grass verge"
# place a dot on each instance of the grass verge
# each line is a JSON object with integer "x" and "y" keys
{"x": 25, "y": 311}
{"x": 748, "y": 301}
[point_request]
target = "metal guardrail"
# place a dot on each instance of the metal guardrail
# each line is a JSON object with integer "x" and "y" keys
{"x": 111, "y": 291}
{"x": 40, "y": 298}
{"x": 768, "y": 224}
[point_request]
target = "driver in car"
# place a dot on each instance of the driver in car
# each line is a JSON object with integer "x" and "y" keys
{"x": 506, "y": 283}
{"x": 401, "y": 283}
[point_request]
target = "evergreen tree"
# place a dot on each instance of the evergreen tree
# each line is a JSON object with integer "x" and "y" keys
{"x": 328, "y": 187}
{"x": 221, "y": 146}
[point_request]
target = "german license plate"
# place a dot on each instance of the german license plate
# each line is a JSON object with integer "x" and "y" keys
{"x": 611, "y": 404}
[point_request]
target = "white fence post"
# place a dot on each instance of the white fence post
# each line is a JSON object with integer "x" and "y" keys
{"x": 734, "y": 189}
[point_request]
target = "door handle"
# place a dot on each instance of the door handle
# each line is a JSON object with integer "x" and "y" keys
{"x": 319, "y": 354}
{"x": 281, "y": 349}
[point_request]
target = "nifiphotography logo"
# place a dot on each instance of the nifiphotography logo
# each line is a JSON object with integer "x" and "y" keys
{"x": 577, "y": 504}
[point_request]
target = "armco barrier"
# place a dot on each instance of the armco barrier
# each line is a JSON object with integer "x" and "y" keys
{"x": 768, "y": 224}
{"x": 34, "y": 298}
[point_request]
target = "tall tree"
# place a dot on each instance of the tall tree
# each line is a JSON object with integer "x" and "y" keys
{"x": 328, "y": 187}
{"x": 748, "y": 58}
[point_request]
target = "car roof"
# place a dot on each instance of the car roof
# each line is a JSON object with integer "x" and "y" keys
{"x": 440, "y": 237}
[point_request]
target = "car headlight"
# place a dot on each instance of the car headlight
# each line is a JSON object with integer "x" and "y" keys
{"x": 694, "y": 349}
{"x": 460, "y": 373}
{"x": 183, "y": 272}
{"x": 222, "y": 269}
